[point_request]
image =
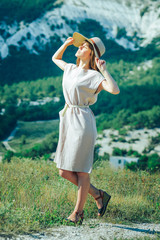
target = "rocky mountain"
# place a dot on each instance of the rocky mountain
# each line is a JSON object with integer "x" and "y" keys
{"x": 131, "y": 24}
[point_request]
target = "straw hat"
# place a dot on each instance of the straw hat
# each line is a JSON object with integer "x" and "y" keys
{"x": 96, "y": 42}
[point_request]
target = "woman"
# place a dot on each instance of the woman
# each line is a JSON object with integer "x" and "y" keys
{"x": 77, "y": 135}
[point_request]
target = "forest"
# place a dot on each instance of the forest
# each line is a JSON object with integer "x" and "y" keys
{"x": 27, "y": 77}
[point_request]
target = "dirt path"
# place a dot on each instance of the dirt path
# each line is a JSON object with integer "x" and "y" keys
{"x": 94, "y": 230}
{"x": 8, "y": 147}
{"x": 11, "y": 136}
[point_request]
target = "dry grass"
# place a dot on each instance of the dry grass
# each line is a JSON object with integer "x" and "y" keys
{"x": 34, "y": 196}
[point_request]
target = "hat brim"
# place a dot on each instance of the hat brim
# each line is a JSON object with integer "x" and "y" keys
{"x": 79, "y": 39}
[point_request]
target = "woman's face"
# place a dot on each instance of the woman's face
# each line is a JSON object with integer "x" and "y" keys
{"x": 84, "y": 52}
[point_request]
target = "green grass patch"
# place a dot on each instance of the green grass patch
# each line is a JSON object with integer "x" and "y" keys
{"x": 33, "y": 195}
{"x": 2, "y": 148}
{"x": 30, "y": 133}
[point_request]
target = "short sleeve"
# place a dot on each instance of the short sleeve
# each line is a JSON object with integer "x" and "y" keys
{"x": 98, "y": 78}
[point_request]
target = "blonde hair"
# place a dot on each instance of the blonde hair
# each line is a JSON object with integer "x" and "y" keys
{"x": 92, "y": 63}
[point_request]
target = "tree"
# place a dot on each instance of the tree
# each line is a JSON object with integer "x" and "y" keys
{"x": 143, "y": 162}
{"x": 154, "y": 162}
{"x": 8, "y": 156}
{"x": 119, "y": 152}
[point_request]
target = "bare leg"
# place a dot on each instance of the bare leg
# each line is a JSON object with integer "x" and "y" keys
{"x": 83, "y": 188}
{"x": 73, "y": 178}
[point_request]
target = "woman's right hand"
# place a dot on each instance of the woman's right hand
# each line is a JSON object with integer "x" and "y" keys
{"x": 69, "y": 41}
{"x": 57, "y": 57}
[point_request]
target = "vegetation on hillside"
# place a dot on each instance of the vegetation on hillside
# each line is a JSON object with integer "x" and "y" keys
{"x": 149, "y": 163}
{"x": 30, "y": 199}
{"x": 37, "y": 139}
{"x": 29, "y": 77}
{"x": 26, "y": 92}
{"x": 126, "y": 117}
{"x": 142, "y": 86}
{"x": 28, "y": 10}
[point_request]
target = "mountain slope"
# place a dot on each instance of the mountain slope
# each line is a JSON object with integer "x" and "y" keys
{"x": 130, "y": 24}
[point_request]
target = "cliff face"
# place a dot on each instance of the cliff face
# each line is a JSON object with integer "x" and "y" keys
{"x": 130, "y": 23}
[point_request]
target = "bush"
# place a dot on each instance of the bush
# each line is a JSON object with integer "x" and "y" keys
{"x": 150, "y": 163}
{"x": 133, "y": 153}
{"x": 7, "y": 124}
{"x": 48, "y": 146}
{"x": 126, "y": 117}
{"x": 144, "y": 10}
{"x": 143, "y": 162}
{"x": 119, "y": 152}
{"x": 8, "y": 156}
{"x": 121, "y": 32}
{"x": 154, "y": 162}
{"x": 131, "y": 166}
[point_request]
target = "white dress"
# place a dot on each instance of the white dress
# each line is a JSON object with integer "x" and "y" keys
{"x": 77, "y": 129}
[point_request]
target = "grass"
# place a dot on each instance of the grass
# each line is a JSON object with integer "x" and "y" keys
{"x": 33, "y": 196}
{"x": 33, "y": 132}
{"x": 2, "y": 149}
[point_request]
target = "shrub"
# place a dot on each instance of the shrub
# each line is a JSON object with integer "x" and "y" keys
{"x": 48, "y": 146}
{"x": 131, "y": 166}
{"x": 144, "y": 10}
{"x": 154, "y": 162}
{"x": 119, "y": 152}
{"x": 8, "y": 156}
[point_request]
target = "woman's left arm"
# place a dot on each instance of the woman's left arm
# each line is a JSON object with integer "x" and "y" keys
{"x": 109, "y": 83}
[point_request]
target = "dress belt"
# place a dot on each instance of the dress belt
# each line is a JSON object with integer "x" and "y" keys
{"x": 73, "y": 106}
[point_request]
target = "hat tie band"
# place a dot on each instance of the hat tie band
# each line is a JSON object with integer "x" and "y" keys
{"x": 97, "y": 49}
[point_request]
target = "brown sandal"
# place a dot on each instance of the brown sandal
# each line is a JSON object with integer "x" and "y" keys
{"x": 105, "y": 200}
